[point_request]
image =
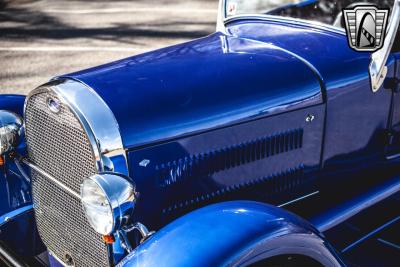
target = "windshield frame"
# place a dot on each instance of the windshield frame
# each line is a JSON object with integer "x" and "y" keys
{"x": 223, "y": 20}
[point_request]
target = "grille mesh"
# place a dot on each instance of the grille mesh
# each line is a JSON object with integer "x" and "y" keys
{"x": 58, "y": 144}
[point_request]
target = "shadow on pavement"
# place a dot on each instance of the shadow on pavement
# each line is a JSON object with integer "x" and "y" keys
{"x": 40, "y": 25}
{"x": 117, "y": 32}
{"x": 43, "y": 39}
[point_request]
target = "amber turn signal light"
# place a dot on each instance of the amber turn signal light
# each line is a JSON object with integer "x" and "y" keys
{"x": 108, "y": 239}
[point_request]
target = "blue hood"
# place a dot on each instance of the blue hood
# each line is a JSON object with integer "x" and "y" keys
{"x": 200, "y": 85}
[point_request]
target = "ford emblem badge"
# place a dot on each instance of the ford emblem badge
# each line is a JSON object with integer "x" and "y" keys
{"x": 54, "y": 104}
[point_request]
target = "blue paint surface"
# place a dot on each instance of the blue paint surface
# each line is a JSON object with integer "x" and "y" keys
{"x": 215, "y": 81}
{"x": 231, "y": 233}
{"x": 228, "y": 117}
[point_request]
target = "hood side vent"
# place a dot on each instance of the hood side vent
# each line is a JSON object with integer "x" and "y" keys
{"x": 256, "y": 189}
{"x": 205, "y": 164}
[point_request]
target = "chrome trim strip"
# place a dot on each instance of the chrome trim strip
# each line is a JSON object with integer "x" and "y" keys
{"x": 9, "y": 258}
{"x": 298, "y": 199}
{"x": 100, "y": 120}
{"x": 287, "y": 20}
{"x": 51, "y": 178}
{"x": 222, "y": 20}
{"x": 5, "y": 218}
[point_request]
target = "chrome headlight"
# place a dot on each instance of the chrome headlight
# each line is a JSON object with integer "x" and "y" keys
{"x": 108, "y": 201}
{"x": 10, "y": 131}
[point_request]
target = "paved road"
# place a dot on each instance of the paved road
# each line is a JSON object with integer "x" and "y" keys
{"x": 41, "y": 39}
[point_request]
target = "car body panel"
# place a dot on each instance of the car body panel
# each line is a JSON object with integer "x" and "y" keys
{"x": 158, "y": 109}
{"x": 240, "y": 160}
{"x": 204, "y": 89}
{"x": 355, "y": 115}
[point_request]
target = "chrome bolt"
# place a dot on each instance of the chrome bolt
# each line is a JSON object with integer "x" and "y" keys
{"x": 310, "y": 118}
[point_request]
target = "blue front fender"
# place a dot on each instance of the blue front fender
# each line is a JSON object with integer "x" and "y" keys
{"x": 232, "y": 233}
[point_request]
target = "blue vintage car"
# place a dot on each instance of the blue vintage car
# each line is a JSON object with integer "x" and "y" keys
{"x": 242, "y": 148}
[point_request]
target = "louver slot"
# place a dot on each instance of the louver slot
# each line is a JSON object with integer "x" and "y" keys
{"x": 229, "y": 157}
{"x": 255, "y": 189}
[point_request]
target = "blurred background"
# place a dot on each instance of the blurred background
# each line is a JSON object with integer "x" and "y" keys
{"x": 42, "y": 39}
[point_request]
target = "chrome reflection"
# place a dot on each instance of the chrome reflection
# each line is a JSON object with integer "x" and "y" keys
{"x": 10, "y": 131}
{"x": 47, "y": 176}
{"x": 377, "y": 68}
{"x": 223, "y": 19}
{"x": 121, "y": 196}
{"x": 96, "y": 118}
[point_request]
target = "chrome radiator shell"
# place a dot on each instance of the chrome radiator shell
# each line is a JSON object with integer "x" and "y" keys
{"x": 65, "y": 141}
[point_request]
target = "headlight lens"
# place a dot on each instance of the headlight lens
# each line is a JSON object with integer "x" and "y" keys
{"x": 97, "y": 207}
{"x": 108, "y": 201}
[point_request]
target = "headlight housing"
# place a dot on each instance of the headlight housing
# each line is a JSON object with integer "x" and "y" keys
{"x": 108, "y": 201}
{"x": 10, "y": 131}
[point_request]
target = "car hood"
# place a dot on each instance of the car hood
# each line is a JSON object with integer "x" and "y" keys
{"x": 197, "y": 86}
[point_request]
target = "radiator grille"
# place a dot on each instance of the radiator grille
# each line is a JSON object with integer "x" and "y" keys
{"x": 58, "y": 144}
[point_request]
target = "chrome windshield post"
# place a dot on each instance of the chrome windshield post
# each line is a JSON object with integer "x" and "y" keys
{"x": 221, "y": 16}
{"x": 377, "y": 67}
